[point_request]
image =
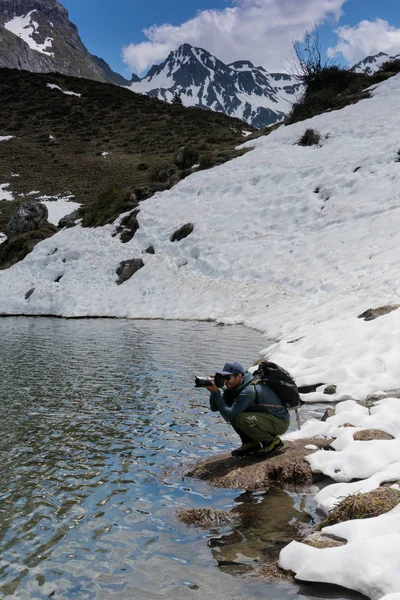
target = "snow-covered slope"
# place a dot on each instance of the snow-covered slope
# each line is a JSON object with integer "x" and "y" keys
{"x": 295, "y": 241}
{"x": 371, "y": 64}
{"x": 239, "y": 89}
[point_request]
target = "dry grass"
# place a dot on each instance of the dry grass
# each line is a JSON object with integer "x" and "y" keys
{"x": 362, "y": 506}
{"x": 371, "y": 434}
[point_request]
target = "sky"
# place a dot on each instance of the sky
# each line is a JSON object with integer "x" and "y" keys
{"x": 131, "y": 35}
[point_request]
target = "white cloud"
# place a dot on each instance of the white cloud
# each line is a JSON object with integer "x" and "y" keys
{"x": 258, "y": 30}
{"x": 366, "y": 39}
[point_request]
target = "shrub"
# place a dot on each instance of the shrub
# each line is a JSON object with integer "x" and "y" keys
{"x": 391, "y": 66}
{"x": 206, "y": 162}
{"x": 106, "y": 208}
{"x": 310, "y": 138}
{"x": 332, "y": 88}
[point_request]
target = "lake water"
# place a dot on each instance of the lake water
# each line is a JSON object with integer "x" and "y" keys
{"x": 99, "y": 422}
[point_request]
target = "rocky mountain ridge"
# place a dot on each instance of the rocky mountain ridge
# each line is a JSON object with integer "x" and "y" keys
{"x": 37, "y": 35}
{"x": 238, "y": 89}
{"x": 372, "y": 64}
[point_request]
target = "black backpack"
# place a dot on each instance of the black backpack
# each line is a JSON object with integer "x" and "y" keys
{"x": 280, "y": 381}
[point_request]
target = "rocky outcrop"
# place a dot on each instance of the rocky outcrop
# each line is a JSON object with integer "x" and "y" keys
{"x": 69, "y": 220}
{"x": 256, "y": 472}
{"x": 182, "y": 232}
{"x": 127, "y": 268}
{"x": 29, "y": 216}
{"x": 51, "y": 44}
{"x": 374, "y": 313}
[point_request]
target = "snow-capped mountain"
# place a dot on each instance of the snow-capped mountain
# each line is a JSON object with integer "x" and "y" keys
{"x": 238, "y": 89}
{"x": 37, "y": 35}
{"x": 371, "y": 64}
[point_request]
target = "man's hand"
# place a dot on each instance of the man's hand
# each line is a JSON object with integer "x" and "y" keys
{"x": 213, "y": 387}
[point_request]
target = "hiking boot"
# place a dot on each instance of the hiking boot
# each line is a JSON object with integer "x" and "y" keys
{"x": 246, "y": 449}
{"x": 270, "y": 447}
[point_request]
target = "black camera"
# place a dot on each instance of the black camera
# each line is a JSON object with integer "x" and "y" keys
{"x": 201, "y": 382}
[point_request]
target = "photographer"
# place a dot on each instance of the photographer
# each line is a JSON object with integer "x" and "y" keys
{"x": 254, "y": 410}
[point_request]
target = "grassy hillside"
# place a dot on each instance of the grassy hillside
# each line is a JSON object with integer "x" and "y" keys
{"x": 60, "y": 140}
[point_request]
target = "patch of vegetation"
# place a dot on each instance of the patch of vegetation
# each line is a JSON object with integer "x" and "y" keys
{"x": 362, "y": 506}
{"x": 15, "y": 249}
{"x": 391, "y": 66}
{"x": 107, "y": 207}
{"x": 333, "y": 88}
{"x": 310, "y": 138}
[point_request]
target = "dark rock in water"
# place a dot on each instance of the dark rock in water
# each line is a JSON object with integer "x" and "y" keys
{"x": 374, "y": 313}
{"x": 29, "y": 216}
{"x": 127, "y": 268}
{"x": 186, "y": 158}
{"x": 181, "y": 233}
{"x": 29, "y": 293}
{"x": 69, "y": 220}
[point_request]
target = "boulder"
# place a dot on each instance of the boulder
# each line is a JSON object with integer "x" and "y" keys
{"x": 374, "y": 313}
{"x": 371, "y": 434}
{"x": 182, "y": 232}
{"x": 186, "y": 158}
{"x": 285, "y": 468}
{"x": 128, "y": 226}
{"x": 330, "y": 390}
{"x": 69, "y": 220}
{"x": 330, "y": 412}
{"x": 127, "y": 268}
{"x": 28, "y": 216}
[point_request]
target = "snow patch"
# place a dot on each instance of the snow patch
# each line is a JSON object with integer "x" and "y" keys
{"x": 53, "y": 86}
{"x": 4, "y": 193}
{"x": 26, "y": 28}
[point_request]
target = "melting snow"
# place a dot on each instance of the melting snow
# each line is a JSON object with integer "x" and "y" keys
{"x": 53, "y": 86}
{"x": 25, "y": 28}
{"x": 58, "y": 207}
{"x": 5, "y": 194}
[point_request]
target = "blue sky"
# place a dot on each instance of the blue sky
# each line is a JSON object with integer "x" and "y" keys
{"x": 258, "y": 30}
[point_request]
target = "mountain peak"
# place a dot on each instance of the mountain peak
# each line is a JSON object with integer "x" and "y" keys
{"x": 239, "y": 89}
{"x": 242, "y": 64}
{"x": 38, "y": 36}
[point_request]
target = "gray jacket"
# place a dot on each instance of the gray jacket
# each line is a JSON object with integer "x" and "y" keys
{"x": 249, "y": 398}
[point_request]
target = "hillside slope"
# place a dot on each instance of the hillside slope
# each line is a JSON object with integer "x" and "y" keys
{"x": 296, "y": 241}
{"x": 80, "y": 137}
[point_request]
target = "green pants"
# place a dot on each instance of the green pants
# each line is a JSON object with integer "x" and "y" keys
{"x": 259, "y": 427}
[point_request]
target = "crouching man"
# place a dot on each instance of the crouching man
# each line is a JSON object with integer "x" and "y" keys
{"x": 254, "y": 410}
